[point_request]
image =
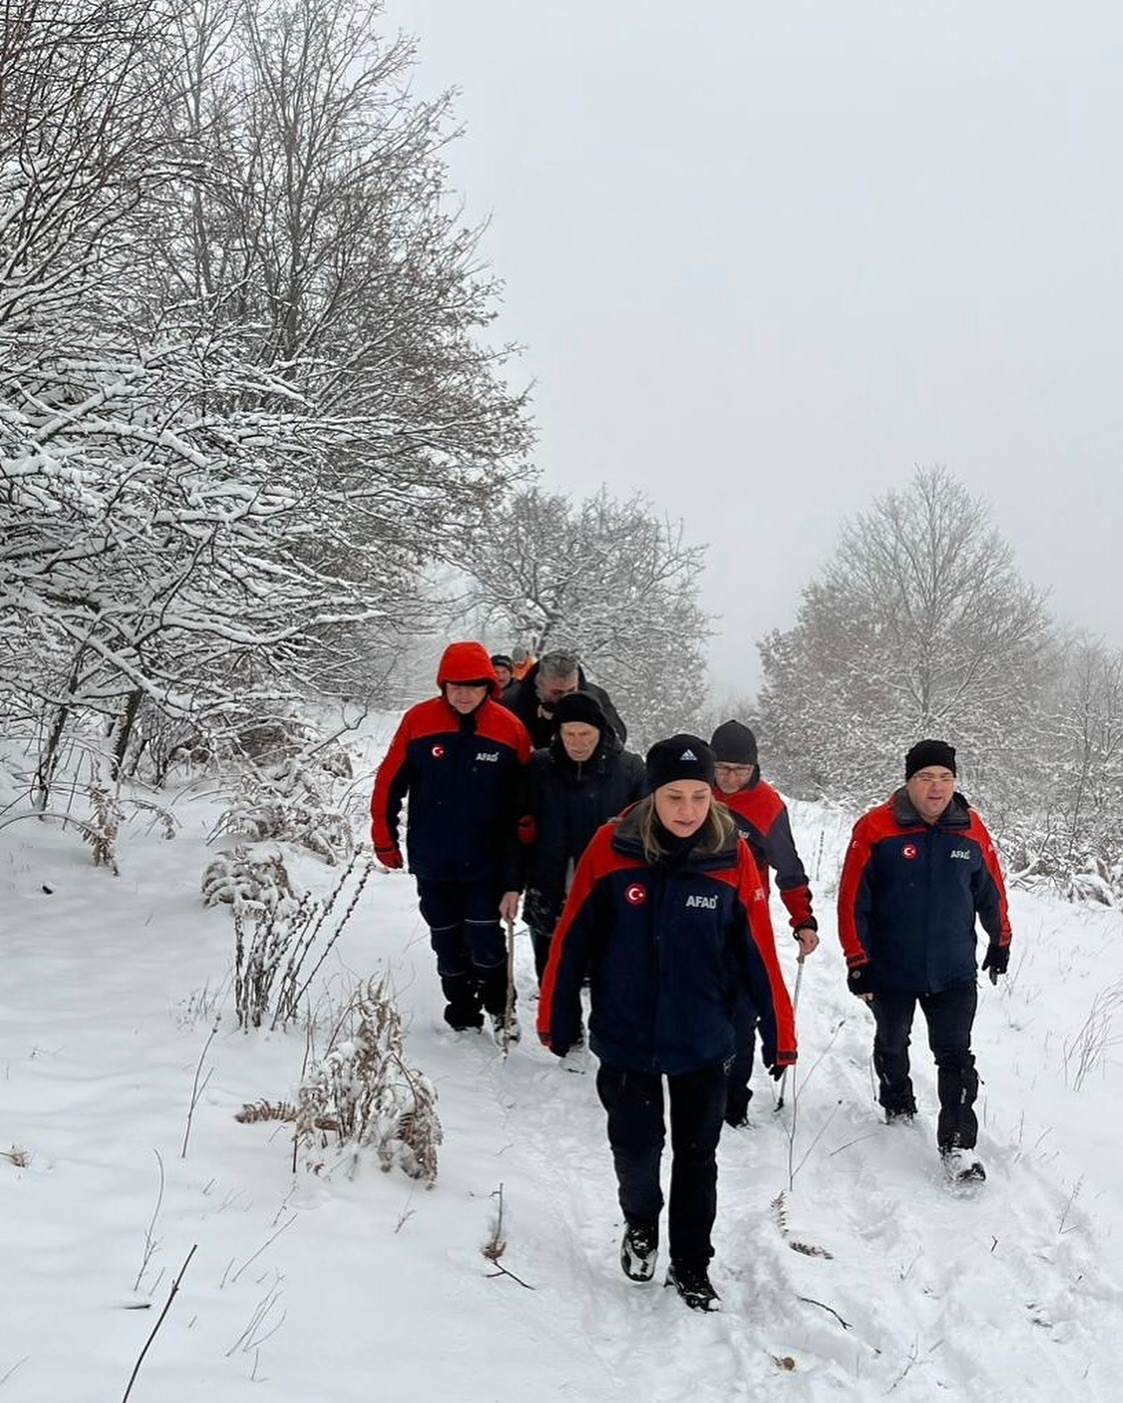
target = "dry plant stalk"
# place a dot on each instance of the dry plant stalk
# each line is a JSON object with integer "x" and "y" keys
{"x": 101, "y": 831}
{"x": 496, "y": 1244}
{"x": 258, "y": 958}
{"x": 17, "y": 1156}
{"x": 282, "y": 933}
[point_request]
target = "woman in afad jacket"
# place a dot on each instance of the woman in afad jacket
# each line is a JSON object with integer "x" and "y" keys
{"x": 583, "y": 778}
{"x": 665, "y": 917}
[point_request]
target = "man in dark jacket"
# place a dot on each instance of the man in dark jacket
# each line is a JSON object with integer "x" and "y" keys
{"x": 503, "y": 671}
{"x": 919, "y": 870}
{"x": 583, "y": 779}
{"x": 459, "y": 757}
{"x": 762, "y": 820}
{"x": 553, "y": 676}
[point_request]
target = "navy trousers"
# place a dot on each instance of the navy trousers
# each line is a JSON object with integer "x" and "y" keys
{"x": 466, "y": 934}
{"x": 636, "y": 1135}
{"x": 739, "y": 1094}
{"x": 950, "y": 1015}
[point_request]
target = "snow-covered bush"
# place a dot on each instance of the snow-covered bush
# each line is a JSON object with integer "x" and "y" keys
{"x": 363, "y": 1089}
{"x": 241, "y": 878}
{"x": 273, "y": 944}
{"x": 292, "y": 802}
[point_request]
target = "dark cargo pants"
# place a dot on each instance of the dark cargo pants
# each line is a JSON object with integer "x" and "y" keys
{"x": 466, "y": 934}
{"x": 950, "y": 1015}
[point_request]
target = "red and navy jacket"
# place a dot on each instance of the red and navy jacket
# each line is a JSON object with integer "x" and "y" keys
{"x": 762, "y": 818}
{"x": 463, "y": 776}
{"x": 911, "y": 891}
{"x": 667, "y": 950}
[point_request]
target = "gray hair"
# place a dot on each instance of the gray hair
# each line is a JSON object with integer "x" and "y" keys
{"x": 558, "y": 664}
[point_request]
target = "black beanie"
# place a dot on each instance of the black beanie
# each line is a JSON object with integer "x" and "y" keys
{"x": 929, "y": 752}
{"x": 734, "y": 744}
{"x": 679, "y": 757}
{"x": 501, "y": 660}
{"x": 580, "y": 706}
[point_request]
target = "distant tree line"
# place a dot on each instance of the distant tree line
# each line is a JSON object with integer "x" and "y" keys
{"x": 921, "y": 626}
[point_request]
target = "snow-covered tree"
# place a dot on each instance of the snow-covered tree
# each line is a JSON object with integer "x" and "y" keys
{"x": 1070, "y": 825}
{"x": 317, "y": 230}
{"x": 919, "y": 626}
{"x": 243, "y": 397}
{"x": 611, "y": 579}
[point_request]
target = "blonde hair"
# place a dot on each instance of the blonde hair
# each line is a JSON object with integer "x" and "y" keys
{"x": 713, "y": 835}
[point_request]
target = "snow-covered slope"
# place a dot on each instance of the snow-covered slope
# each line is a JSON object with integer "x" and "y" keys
{"x": 848, "y": 1267}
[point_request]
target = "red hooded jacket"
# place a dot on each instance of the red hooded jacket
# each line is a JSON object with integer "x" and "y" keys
{"x": 462, "y": 775}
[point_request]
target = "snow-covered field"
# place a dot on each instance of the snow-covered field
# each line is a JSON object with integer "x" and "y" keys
{"x": 848, "y": 1268}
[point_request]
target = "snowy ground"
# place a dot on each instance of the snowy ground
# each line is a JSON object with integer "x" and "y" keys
{"x": 848, "y": 1268}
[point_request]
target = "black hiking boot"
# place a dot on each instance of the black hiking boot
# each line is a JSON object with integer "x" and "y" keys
{"x": 463, "y": 1020}
{"x": 693, "y": 1285}
{"x": 505, "y": 1029}
{"x": 900, "y": 1117}
{"x": 962, "y": 1166}
{"x": 638, "y": 1250}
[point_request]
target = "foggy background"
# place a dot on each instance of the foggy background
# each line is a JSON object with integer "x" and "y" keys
{"x": 766, "y": 259}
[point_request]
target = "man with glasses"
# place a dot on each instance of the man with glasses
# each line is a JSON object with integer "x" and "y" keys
{"x": 556, "y": 674}
{"x": 762, "y": 818}
{"x": 919, "y": 870}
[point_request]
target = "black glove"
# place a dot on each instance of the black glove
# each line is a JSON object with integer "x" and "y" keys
{"x": 996, "y": 960}
{"x": 776, "y": 1071}
{"x": 859, "y": 980}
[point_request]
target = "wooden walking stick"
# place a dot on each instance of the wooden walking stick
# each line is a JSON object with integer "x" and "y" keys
{"x": 509, "y": 1010}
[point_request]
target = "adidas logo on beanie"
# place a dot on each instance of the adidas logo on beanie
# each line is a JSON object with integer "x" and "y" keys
{"x": 679, "y": 757}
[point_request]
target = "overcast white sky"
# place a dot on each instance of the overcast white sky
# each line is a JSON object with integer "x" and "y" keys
{"x": 767, "y": 257}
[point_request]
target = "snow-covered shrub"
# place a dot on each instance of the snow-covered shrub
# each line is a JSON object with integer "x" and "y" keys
{"x": 273, "y": 943}
{"x": 102, "y": 828}
{"x": 258, "y": 956}
{"x": 364, "y": 1090}
{"x": 292, "y": 802}
{"x": 242, "y": 878}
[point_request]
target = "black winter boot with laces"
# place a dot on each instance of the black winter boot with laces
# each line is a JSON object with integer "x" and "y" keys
{"x": 638, "y": 1251}
{"x": 693, "y": 1285}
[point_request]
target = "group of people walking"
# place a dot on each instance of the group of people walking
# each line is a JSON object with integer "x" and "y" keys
{"x": 646, "y": 882}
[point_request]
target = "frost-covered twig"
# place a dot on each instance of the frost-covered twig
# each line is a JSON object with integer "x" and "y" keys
{"x": 149, "y": 1242}
{"x": 197, "y": 1090}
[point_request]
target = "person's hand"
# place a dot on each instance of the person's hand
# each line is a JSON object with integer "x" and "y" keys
{"x": 777, "y": 1070}
{"x": 860, "y": 982}
{"x": 509, "y": 907}
{"x": 559, "y": 1051}
{"x": 808, "y": 941}
{"x": 997, "y": 961}
{"x": 391, "y": 858}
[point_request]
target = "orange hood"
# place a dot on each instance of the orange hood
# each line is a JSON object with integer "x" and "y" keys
{"x": 467, "y": 662}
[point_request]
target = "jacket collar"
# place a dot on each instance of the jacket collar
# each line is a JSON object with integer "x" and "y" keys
{"x": 956, "y": 815}
{"x": 626, "y": 839}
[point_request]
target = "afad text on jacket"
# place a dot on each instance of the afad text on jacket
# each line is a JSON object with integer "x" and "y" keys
{"x": 666, "y": 949}
{"x": 463, "y": 776}
{"x": 910, "y": 893}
